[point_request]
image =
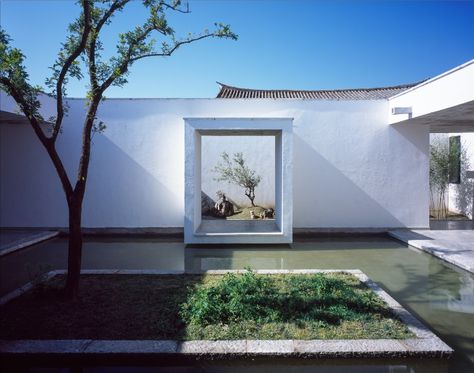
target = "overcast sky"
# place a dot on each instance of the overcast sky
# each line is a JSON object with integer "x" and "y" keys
{"x": 282, "y": 44}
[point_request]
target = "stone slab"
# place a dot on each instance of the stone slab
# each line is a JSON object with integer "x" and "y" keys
{"x": 237, "y": 347}
{"x": 14, "y": 240}
{"x": 270, "y": 347}
{"x": 132, "y": 347}
{"x": 23, "y": 289}
{"x": 426, "y": 347}
{"x": 70, "y": 346}
{"x": 453, "y": 246}
{"x": 345, "y": 348}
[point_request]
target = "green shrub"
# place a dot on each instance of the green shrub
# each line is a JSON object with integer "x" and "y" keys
{"x": 321, "y": 298}
{"x": 233, "y": 298}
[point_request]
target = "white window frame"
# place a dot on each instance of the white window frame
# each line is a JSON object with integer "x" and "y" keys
{"x": 248, "y": 231}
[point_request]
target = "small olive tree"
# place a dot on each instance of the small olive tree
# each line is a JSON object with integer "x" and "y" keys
{"x": 81, "y": 56}
{"x": 235, "y": 171}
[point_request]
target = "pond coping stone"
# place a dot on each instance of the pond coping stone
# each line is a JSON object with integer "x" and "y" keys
{"x": 27, "y": 239}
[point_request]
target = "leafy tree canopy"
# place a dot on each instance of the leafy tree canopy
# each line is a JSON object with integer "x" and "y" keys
{"x": 237, "y": 172}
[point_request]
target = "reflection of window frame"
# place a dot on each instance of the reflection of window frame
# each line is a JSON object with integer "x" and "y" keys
{"x": 454, "y": 170}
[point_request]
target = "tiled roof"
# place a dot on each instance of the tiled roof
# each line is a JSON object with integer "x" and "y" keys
{"x": 228, "y": 91}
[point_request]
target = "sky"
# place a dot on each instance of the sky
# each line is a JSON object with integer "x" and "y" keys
{"x": 294, "y": 44}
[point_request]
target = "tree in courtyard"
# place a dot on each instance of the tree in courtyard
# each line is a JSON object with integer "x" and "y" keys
{"x": 235, "y": 171}
{"x": 445, "y": 157}
{"x": 81, "y": 55}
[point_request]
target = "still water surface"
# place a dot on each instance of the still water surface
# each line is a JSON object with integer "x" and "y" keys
{"x": 441, "y": 295}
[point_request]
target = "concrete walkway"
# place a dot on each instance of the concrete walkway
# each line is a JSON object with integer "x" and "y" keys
{"x": 16, "y": 239}
{"x": 453, "y": 246}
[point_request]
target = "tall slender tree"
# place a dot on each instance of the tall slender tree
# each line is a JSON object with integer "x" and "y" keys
{"x": 79, "y": 56}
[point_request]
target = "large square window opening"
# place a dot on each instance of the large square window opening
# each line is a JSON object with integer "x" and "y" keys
{"x": 266, "y": 147}
{"x": 226, "y": 203}
{"x": 238, "y": 178}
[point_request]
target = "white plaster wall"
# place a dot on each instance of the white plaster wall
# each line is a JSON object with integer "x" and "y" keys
{"x": 351, "y": 168}
{"x": 451, "y": 88}
{"x": 259, "y": 155}
{"x": 30, "y": 191}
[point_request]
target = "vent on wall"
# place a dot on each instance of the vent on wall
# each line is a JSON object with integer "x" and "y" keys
{"x": 401, "y": 110}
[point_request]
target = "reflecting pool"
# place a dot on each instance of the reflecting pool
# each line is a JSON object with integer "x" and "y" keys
{"x": 438, "y": 293}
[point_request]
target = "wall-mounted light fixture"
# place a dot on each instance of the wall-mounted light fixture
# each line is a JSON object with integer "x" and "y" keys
{"x": 402, "y": 110}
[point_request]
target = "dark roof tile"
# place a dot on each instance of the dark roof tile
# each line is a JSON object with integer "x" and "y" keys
{"x": 381, "y": 93}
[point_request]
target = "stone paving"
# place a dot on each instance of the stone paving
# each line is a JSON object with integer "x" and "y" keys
{"x": 425, "y": 344}
{"x": 16, "y": 239}
{"x": 453, "y": 246}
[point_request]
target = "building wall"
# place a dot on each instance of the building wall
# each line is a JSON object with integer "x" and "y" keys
{"x": 351, "y": 168}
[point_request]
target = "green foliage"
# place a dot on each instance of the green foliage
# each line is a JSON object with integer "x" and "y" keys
{"x": 320, "y": 298}
{"x": 234, "y": 298}
{"x": 114, "y": 307}
{"x": 83, "y": 50}
{"x": 138, "y": 43}
{"x": 442, "y": 156}
{"x": 13, "y": 77}
{"x": 236, "y": 171}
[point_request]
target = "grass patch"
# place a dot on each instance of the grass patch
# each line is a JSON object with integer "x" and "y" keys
{"x": 188, "y": 307}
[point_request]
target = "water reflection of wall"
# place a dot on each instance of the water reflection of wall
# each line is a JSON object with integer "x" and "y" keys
{"x": 463, "y": 301}
{"x": 200, "y": 259}
{"x": 457, "y": 294}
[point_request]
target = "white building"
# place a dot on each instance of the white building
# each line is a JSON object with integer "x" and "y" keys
{"x": 352, "y": 159}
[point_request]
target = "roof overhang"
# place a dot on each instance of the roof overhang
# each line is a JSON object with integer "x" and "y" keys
{"x": 458, "y": 118}
{"x": 12, "y": 118}
{"x": 445, "y": 103}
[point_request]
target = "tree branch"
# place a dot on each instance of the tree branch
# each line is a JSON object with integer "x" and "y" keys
{"x": 117, "y": 4}
{"x": 25, "y": 108}
{"x": 175, "y": 7}
{"x": 176, "y": 46}
{"x": 67, "y": 64}
{"x": 126, "y": 61}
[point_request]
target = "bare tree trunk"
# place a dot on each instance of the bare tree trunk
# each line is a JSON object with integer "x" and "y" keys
{"x": 250, "y": 193}
{"x": 75, "y": 249}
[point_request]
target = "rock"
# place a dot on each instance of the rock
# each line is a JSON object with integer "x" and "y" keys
{"x": 207, "y": 204}
{"x": 223, "y": 207}
{"x": 268, "y": 213}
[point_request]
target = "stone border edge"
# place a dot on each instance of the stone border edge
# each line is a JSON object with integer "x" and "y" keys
{"x": 426, "y": 344}
{"x": 432, "y": 249}
{"x": 29, "y": 241}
